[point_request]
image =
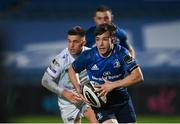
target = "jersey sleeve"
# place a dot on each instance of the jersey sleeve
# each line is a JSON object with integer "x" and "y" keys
{"x": 122, "y": 37}
{"x": 54, "y": 68}
{"x": 81, "y": 62}
{"x": 129, "y": 62}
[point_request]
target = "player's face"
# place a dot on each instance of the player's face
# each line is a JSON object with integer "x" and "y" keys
{"x": 75, "y": 44}
{"x": 103, "y": 17}
{"x": 104, "y": 44}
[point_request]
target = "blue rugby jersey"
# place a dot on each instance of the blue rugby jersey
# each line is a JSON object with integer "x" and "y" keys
{"x": 114, "y": 67}
{"x": 121, "y": 36}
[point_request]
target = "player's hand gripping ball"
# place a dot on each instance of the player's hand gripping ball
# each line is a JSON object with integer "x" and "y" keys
{"x": 89, "y": 93}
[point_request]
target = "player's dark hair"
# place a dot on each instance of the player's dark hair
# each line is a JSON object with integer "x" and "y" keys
{"x": 77, "y": 30}
{"x": 103, "y": 8}
{"x": 100, "y": 29}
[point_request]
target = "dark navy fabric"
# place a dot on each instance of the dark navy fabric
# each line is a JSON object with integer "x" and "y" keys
{"x": 114, "y": 67}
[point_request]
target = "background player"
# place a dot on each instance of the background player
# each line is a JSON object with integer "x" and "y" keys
{"x": 112, "y": 67}
{"x": 103, "y": 15}
{"x": 70, "y": 104}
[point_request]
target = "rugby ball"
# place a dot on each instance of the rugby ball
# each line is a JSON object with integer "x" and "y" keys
{"x": 90, "y": 94}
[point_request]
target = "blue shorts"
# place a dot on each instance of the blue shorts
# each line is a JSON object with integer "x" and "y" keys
{"x": 123, "y": 114}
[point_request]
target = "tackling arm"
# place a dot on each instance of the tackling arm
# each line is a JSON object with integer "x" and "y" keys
{"x": 49, "y": 83}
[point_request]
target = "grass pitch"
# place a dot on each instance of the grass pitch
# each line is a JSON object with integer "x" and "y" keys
{"x": 57, "y": 119}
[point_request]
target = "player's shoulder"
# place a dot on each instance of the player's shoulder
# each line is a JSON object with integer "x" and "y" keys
{"x": 120, "y": 50}
{"x": 88, "y": 53}
{"x": 121, "y": 31}
{"x": 91, "y": 29}
{"x": 63, "y": 55}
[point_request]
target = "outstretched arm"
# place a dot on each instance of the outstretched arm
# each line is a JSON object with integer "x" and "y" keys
{"x": 74, "y": 79}
{"x": 49, "y": 83}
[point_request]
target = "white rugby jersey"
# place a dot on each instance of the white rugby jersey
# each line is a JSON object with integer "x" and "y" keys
{"x": 58, "y": 69}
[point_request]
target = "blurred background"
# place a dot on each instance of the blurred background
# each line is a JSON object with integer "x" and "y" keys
{"x": 32, "y": 32}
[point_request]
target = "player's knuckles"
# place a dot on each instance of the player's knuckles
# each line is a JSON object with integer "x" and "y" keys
{"x": 97, "y": 90}
{"x": 79, "y": 99}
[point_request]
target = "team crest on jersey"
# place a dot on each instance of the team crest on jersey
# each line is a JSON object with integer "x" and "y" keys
{"x": 95, "y": 67}
{"x": 116, "y": 64}
{"x": 55, "y": 62}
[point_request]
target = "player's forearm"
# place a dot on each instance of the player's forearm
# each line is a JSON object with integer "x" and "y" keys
{"x": 136, "y": 76}
{"x": 49, "y": 83}
{"x": 74, "y": 79}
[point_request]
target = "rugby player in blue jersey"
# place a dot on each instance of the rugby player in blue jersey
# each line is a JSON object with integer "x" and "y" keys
{"x": 103, "y": 15}
{"x": 113, "y": 68}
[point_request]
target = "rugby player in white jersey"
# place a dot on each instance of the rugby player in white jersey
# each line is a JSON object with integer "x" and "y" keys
{"x": 56, "y": 79}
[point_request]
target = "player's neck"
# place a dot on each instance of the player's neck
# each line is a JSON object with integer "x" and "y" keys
{"x": 76, "y": 55}
{"x": 107, "y": 54}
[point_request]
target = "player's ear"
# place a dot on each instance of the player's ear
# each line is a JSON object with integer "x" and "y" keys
{"x": 83, "y": 41}
{"x": 113, "y": 39}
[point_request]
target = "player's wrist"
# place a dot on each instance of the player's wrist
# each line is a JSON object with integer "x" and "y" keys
{"x": 60, "y": 91}
{"x": 117, "y": 84}
{"x": 79, "y": 91}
